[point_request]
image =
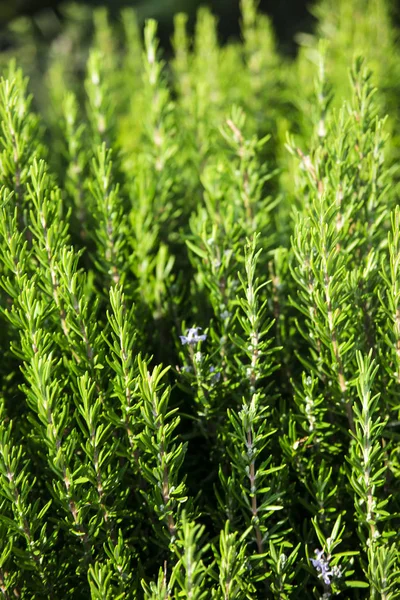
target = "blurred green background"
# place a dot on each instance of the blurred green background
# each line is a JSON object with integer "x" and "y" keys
{"x": 288, "y": 16}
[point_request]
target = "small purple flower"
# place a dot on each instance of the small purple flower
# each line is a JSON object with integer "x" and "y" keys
{"x": 216, "y": 377}
{"x": 321, "y": 564}
{"x": 192, "y": 336}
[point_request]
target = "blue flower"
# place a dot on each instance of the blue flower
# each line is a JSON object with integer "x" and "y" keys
{"x": 192, "y": 336}
{"x": 321, "y": 564}
{"x": 216, "y": 377}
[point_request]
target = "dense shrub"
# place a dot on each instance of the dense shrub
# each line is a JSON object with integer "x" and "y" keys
{"x": 200, "y": 312}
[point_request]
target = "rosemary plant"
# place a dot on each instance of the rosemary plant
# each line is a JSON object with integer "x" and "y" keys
{"x": 200, "y": 310}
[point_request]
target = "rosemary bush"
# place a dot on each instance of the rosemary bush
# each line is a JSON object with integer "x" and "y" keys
{"x": 200, "y": 311}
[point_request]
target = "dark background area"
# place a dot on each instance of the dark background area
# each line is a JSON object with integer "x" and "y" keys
{"x": 288, "y": 16}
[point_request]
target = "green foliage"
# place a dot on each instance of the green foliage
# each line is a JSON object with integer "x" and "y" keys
{"x": 200, "y": 312}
